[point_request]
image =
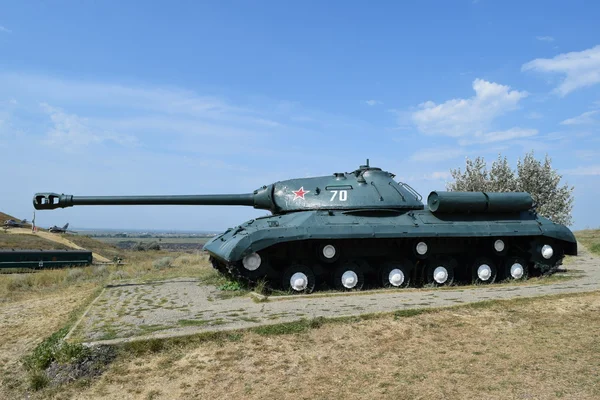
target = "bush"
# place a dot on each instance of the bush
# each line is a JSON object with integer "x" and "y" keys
{"x": 153, "y": 246}
{"x": 20, "y": 282}
{"x": 539, "y": 179}
{"x": 101, "y": 270}
{"x": 38, "y": 381}
{"x": 74, "y": 274}
{"x": 162, "y": 263}
{"x": 119, "y": 275}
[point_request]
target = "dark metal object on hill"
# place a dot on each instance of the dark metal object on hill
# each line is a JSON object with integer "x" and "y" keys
{"x": 58, "y": 229}
{"x": 44, "y": 258}
{"x": 362, "y": 226}
{"x": 11, "y": 223}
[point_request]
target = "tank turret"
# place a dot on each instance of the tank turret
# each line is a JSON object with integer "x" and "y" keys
{"x": 364, "y": 188}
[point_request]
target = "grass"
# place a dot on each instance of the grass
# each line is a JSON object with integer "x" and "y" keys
{"x": 96, "y": 246}
{"x": 494, "y": 349}
{"x": 192, "y": 322}
{"x": 13, "y": 241}
{"x": 590, "y": 238}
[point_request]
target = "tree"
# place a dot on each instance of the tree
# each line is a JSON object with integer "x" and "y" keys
{"x": 553, "y": 201}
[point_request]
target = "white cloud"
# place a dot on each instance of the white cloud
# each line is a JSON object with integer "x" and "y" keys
{"x": 499, "y": 136}
{"x": 545, "y": 38}
{"x": 373, "y": 102}
{"x": 581, "y": 69}
{"x": 4, "y": 29}
{"x": 590, "y": 170}
{"x": 463, "y": 117}
{"x": 437, "y": 154}
{"x": 71, "y": 132}
{"x": 584, "y": 119}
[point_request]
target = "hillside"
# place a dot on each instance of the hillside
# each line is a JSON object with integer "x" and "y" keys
{"x": 4, "y": 217}
{"x": 590, "y": 238}
{"x": 11, "y": 241}
{"x": 23, "y": 238}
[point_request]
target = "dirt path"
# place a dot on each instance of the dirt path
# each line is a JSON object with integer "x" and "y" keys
{"x": 183, "y": 307}
{"x": 56, "y": 238}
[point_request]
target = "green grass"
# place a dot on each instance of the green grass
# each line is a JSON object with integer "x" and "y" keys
{"x": 192, "y": 322}
{"x": 55, "y": 348}
{"x": 288, "y": 328}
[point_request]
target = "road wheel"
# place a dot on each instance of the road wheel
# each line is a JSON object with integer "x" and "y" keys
{"x": 483, "y": 271}
{"x": 395, "y": 274}
{"x": 349, "y": 276}
{"x": 515, "y": 268}
{"x": 440, "y": 272}
{"x": 299, "y": 278}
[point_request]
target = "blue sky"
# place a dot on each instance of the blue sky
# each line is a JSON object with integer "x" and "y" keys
{"x": 100, "y": 98}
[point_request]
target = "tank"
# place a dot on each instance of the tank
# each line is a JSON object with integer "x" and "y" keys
{"x": 358, "y": 229}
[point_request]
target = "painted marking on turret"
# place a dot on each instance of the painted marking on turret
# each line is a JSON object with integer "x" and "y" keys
{"x": 299, "y": 194}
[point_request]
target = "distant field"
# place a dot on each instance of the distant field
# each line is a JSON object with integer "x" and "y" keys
{"x": 115, "y": 240}
{"x": 186, "y": 244}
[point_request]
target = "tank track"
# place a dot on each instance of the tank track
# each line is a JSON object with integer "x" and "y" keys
{"x": 418, "y": 274}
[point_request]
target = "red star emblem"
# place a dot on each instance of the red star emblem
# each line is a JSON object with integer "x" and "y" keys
{"x": 299, "y": 194}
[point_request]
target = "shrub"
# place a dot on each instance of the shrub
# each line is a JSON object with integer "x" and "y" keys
{"x": 20, "y": 282}
{"x": 74, "y": 274}
{"x": 119, "y": 275}
{"x": 538, "y": 178}
{"x": 162, "y": 263}
{"x": 153, "y": 246}
{"x": 101, "y": 270}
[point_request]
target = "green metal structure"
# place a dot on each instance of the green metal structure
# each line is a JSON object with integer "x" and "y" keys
{"x": 38, "y": 259}
{"x": 363, "y": 226}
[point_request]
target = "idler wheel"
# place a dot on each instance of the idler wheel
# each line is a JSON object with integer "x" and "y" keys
{"x": 440, "y": 272}
{"x": 299, "y": 278}
{"x": 395, "y": 274}
{"x": 349, "y": 276}
{"x": 255, "y": 266}
{"x": 484, "y": 271}
{"x": 515, "y": 268}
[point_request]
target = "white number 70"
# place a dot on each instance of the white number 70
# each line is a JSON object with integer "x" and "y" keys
{"x": 343, "y": 195}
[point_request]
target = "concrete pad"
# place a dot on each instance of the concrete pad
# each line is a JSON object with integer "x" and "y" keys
{"x": 185, "y": 306}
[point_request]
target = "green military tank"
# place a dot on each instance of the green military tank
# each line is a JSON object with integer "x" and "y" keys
{"x": 364, "y": 228}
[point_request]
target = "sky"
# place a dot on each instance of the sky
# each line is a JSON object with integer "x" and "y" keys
{"x": 157, "y": 97}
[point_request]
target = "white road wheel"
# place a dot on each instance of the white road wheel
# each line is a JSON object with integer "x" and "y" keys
{"x": 299, "y": 282}
{"x": 329, "y": 251}
{"x": 396, "y": 277}
{"x": 440, "y": 275}
{"x": 517, "y": 271}
{"x": 421, "y": 248}
{"x": 547, "y": 251}
{"x": 252, "y": 261}
{"x": 499, "y": 245}
{"x": 484, "y": 272}
{"x": 349, "y": 279}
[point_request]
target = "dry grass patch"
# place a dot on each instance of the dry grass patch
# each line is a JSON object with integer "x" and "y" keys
{"x": 542, "y": 348}
{"x": 29, "y": 320}
{"x": 590, "y": 238}
{"x": 12, "y": 241}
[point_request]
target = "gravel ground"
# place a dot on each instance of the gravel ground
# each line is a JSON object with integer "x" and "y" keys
{"x": 183, "y": 307}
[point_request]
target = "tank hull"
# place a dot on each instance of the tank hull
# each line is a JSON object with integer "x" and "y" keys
{"x": 371, "y": 239}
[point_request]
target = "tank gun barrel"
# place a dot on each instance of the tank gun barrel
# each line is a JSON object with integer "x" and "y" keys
{"x": 259, "y": 199}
